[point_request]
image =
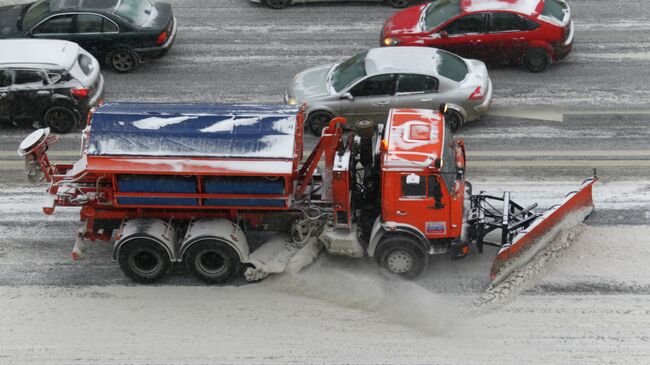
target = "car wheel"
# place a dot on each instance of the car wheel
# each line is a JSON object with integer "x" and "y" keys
{"x": 122, "y": 60}
{"x": 535, "y": 60}
{"x": 212, "y": 261}
{"x": 454, "y": 120}
{"x": 398, "y": 3}
{"x": 401, "y": 255}
{"x": 317, "y": 121}
{"x": 60, "y": 119}
{"x": 144, "y": 261}
{"x": 277, "y": 4}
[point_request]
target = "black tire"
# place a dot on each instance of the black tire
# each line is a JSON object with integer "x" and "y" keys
{"x": 122, "y": 60}
{"x": 144, "y": 261}
{"x": 398, "y": 3}
{"x": 60, "y": 119}
{"x": 317, "y": 121}
{"x": 277, "y": 4}
{"x": 402, "y": 255}
{"x": 454, "y": 120}
{"x": 535, "y": 60}
{"x": 212, "y": 261}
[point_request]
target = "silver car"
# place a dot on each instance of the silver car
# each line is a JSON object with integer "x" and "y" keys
{"x": 369, "y": 84}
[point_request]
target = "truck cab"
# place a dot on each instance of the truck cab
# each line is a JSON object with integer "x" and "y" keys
{"x": 422, "y": 190}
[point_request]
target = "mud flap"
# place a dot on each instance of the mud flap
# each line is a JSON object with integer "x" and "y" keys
{"x": 280, "y": 255}
{"x": 571, "y": 212}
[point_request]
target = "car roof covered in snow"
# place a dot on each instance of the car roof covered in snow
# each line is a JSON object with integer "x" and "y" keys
{"x": 43, "y": 53}
{"x": 109, "y": 5}
{"x": 226, "y": 131}
{"x": 415, "y": 139}
{"x": 421, "y": 60}
{"x": 528, "y": 7}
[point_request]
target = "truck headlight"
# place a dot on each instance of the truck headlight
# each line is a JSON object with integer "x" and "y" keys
{"x": 292, "y": 101}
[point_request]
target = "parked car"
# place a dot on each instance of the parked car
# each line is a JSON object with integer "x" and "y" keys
{"x": 50, "y": 83}
{"x": 123, "y": 33}
{"x": 280, "y": 4}
{"x": 368, "y": 85}
{"x": 533, "y": 33}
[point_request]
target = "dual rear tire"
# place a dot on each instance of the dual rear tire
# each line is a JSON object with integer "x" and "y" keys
{"x": 211, "y": 261}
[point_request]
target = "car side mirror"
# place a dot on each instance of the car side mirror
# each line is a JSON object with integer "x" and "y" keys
{"x": 460, "y": 174}
{"x": 443, "y": 34}
{"x": 347, "y": 96}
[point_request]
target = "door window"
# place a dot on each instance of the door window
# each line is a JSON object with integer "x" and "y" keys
{"x": 89, "y": 23}
{"x": 412, "y": 83}
{"x": 26, "y": 78}
{"x": 380, "y": 85}
{"x": 471, "y": 23}
{"x": 413, "y": 186}
{"x": 505, "y": 22}
{"x": 56, "y": 25}
{"x": 5, "y": 78}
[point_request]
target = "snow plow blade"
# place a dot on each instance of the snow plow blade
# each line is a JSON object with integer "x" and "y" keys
{"x": 528, "y": 242}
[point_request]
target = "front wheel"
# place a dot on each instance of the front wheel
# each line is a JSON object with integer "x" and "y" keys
{"x": 398, "y": 3}
{"x": 317, "y": 121}
{"x": 122, "y": 60}
{"x": 60, "y": 119}
{"x": 212, "y": 261}
{"x": 535, "y": 60}
{"x": 402, "y": 255}
{"x": 277, "y": 4}
{"x": 454, "y": 120}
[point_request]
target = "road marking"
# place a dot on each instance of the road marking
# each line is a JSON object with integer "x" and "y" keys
{"x": 546, "y": 153}
{"x": 558, "y": 116}
{"x": 559, "y": 163}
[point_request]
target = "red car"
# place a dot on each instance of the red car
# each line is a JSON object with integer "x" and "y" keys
{"x": 532, "y": 33}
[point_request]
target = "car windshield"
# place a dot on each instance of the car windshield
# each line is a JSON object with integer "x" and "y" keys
{"x": 554, "y": 8}
{"x": 136, "y": 12}
{"x": 349, "y": 71}
{"x": 451, "y": 66}
{"x": 439, "y": 12}
{"x": 35, "y": 13}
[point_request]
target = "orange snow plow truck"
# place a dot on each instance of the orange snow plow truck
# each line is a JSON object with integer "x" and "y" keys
{"x": 189, "y": 183}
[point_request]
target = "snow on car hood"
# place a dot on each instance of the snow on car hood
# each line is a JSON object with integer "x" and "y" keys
{"x": 310, "y": 84}
{"x": 407, "y": 21}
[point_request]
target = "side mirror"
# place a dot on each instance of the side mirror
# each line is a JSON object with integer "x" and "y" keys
{"x": 460, "y": 174}
{"x": 443, "y": 34}
{"x": 347, "y": 96}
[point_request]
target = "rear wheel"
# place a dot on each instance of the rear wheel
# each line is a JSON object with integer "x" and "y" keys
{"x": 402, "y": 255}
{"x": 212, "y": 261}
{"x": 60, "y": 119}
{"x": 317, "y": 121}
{"x": 454, "y": 120}
{"x": 398, "y": 3}
{"x": 277, "y": 4}
{"x": 144, "y": 261}
{"x": 122, "y": 60}
{"x": 535, "y": 60}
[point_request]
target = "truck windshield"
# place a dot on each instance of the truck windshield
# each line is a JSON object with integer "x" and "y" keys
{"x": 349, "y": 71}
{"x": 35, "y": 13}
{"x": 136, "y": 12}
{"x": 448, "y": 169}
{"x": 439, "y": 12}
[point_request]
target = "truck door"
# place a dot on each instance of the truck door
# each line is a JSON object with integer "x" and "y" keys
{"x": 5, "y": 83}
{"x": 423, "y": 204}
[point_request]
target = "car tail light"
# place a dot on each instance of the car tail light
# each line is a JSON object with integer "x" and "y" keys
{"x": 162, "y": 38}
{"x": 476, "y": 95}
{"x": 80, "y": 93}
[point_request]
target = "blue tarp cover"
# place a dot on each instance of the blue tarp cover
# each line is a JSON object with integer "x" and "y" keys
{"x": 193, "y": 130}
